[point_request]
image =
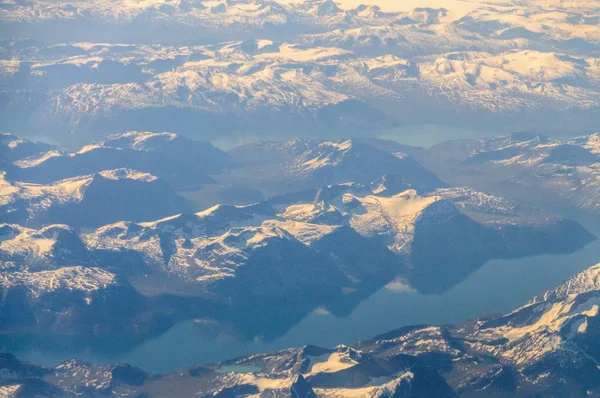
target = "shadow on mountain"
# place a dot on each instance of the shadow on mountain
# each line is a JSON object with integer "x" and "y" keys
{"x": 455, "y": 256}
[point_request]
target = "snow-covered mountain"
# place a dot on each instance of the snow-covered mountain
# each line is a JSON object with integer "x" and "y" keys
{"x": 278, "y": 167}
{"x": 102, "y": 243}
{"x": 342, "y": 216}
{"x": 206, "y": 175}
{"x": 13, "y": 148}
{"x": 221, "y": 243}
{"x": 546, "y": 170}
{"x": 92, "y": 200}
{"x": 266, "y": 86}
{"x": 178, "y": 161}
{"x": 52, "y": 284}
{"x": 331, "y": 370}
{"x": 551, "y": 342}
{"x": 222, "y": 251}
{"x": 74, "y": 300}
{"x": 51, "y": 247}
{"x": 290, "y": 67}
{"x": 539, "y": 22}
{"x": 302, "y": 250}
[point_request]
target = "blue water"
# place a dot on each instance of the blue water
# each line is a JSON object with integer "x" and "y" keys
{"x": 499, "y": 286}
{"x": 426, "y": 135}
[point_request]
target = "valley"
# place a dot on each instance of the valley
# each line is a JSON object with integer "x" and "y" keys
{"x": 299, "y": 198}
{"x": 204, "y": 255}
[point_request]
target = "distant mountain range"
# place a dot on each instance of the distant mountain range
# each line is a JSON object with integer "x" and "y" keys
{"x": 529, "y": 22}
{"x": 90, "y": 200}
{"x": 179, "y": 161}
{"x": 533, "y": 167}
{"x": 280, "y": 167}
{"x": 232, "y": 69}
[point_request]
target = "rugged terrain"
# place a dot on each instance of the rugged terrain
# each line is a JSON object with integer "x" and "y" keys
{"x": 548, "y": 347}
{"x": 237, "y": 70}
{"x": 169, "y": 189}
{"x": 321, "y": 240}
{"x": 529, "y": 167}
